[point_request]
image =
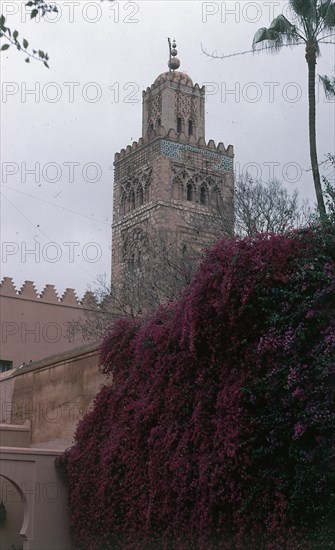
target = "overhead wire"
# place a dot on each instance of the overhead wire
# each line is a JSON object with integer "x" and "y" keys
{"x": 45, "y": 235}
{"x": 56, "y": 205}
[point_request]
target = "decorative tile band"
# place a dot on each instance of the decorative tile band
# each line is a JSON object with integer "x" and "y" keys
{"x": 173, "y": 150}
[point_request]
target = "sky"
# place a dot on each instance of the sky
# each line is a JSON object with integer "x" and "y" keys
{"x": 60, "y": 127}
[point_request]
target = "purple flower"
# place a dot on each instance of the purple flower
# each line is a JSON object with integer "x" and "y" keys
{"x": 299, "y": 430}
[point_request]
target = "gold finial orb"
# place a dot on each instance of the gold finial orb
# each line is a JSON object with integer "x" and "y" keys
{"x": 174, "y": 62}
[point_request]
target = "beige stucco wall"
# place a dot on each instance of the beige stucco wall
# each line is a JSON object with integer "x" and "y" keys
{"x": 41, "y": 405}
{"x": 35, "y": 498}
{"x": 12, "y": 435}
{"x": 53, "y": 395}
{"x": 6, "y": 395}
{"x": 34, "y": 326}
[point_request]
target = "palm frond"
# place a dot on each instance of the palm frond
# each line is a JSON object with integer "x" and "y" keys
{"x": 262, "y": 35}
{"x": 305, "y": 9}
{"x": 327, "y": 13}
{"x": 280, "y": 33}
{"x": 283, "y": 25}
{"x": 317, "y": 48}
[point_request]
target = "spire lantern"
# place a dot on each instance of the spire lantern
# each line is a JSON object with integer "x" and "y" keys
{"x": 174, "y": 62}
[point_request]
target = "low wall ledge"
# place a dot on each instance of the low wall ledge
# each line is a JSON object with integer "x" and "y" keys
{"x": 52, "y": 360}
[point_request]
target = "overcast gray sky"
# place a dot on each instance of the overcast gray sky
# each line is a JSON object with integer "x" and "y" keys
{"x": 61, "y": 127}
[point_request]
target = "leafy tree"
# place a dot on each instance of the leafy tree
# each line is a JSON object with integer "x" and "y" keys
{"x": 38, "y": 7}
{"x": 316, "y": 23}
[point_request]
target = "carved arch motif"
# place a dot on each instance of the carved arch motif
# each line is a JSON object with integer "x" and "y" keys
{"x": 155, "y": 112}
{"x": 185, "y": 113}
{"x": 197, "y": 186}
{"x": 134, "y": 247}
{"x": 135, "y": 191}
{"x": 204, "y": 194}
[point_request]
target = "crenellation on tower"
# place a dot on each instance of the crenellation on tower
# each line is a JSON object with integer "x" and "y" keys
{"x": 172, "y": 135}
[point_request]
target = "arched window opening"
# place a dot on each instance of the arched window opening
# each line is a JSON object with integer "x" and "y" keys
{"x": 18, "y": 507}
{"x": 151, "y": 127}
{"x": 179, "y": 125}
{"x": 131, "y": 263}
{"x": 184, "y": 249}
{"x": 217, "y": 199}
{"x": 203, "y": 195}
{"x": 140, "y": 196}
{"x": 189, "y": 194}
{"x": 139, "y": 259}
{"x": 190, "y": 127}
{"x": 132, "y": 200}
{"x": 159, "y": 122}
{"x": 146, "y": 194}
{"x": 123, "y": 205}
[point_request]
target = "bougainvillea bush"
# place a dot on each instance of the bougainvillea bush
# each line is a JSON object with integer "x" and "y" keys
{"x": 217, "y": 430}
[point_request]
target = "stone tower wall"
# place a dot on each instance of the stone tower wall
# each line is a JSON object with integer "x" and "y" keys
{"x": 166, "y": 100}
{"x": 170, "y": 177}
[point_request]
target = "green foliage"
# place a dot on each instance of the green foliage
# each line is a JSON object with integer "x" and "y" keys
{"x": 328, "y": 85}
{"x": 40, "y": 7}
{"x": 329, "y": 192}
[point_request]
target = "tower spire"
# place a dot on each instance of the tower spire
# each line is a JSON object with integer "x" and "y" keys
{"x": 174, "y": 62}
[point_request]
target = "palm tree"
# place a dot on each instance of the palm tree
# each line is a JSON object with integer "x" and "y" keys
{"x": 316, "y": 23}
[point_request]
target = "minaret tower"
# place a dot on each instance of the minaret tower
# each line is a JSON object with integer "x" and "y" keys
{"x": 170, "y": 175}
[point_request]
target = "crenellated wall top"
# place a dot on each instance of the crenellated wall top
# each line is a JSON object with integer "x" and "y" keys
{"x": 48, "y": 295}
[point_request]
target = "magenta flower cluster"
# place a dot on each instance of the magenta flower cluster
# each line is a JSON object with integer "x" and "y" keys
{"x": 215, "y": 429}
